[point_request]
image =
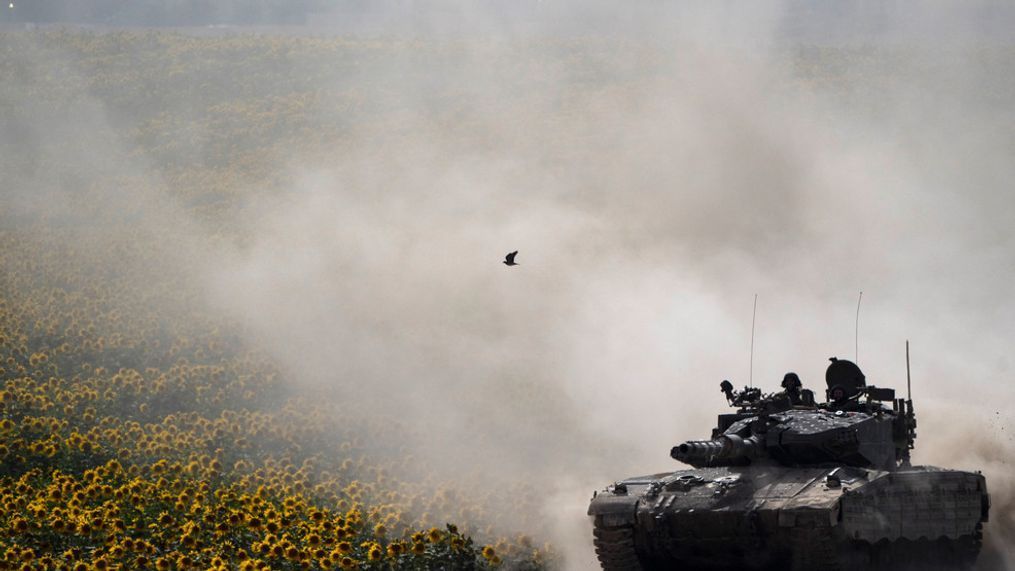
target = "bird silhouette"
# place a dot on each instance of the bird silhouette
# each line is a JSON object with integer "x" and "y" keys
{"x": 509, "y": 260}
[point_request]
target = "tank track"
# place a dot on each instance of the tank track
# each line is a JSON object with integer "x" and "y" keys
{"x": 615, "y": 547}
{"x": 821, "y": 550}
{"x": 817, "y": 550}
{"x": 814, "y": 549}
{"x": 923, "y": 555}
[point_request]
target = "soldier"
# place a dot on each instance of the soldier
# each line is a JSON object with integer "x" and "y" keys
{"x": 795, "y": 391}
{"x": 791, "y": 383}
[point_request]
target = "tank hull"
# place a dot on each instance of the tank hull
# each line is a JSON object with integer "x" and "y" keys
{"x": 777, "y": 517}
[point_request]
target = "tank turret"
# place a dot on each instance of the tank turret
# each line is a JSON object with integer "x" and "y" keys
{"x": 853, "y": 427}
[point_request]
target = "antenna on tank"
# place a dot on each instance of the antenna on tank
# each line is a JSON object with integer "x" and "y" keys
{"x": 754, "y": 315}
{"x": 856, "y": 331}
{"x": 906, "y": 408}
{"x": 909, "y": 383}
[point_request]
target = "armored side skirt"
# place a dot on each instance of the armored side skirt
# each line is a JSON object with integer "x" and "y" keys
{"x": 783, "y": 518}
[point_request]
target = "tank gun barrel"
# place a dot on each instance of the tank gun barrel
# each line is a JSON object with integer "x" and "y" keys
{"x": 726, "y": 450}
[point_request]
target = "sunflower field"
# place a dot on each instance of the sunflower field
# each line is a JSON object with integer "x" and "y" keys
{"x": 131, "y": 439}
{"x": 137, "y": 429}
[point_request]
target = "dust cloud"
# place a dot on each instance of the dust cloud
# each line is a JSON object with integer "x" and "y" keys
{"x": 648, "y": 209}
{"x": 653, "y": 180}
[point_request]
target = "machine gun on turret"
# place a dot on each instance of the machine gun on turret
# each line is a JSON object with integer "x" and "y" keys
{"x": 751, "y": 399}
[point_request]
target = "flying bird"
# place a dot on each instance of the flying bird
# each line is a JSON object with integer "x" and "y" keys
{"x": 509, "y": 260}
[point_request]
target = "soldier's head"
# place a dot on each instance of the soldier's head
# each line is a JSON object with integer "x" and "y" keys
{"x": 791, "y": 382}
{"x": 837, "y": 394}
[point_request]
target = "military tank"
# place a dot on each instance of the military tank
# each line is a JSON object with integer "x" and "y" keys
{"x": 788, "y": 483}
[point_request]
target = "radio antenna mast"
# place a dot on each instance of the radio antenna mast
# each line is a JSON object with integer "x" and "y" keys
{"x": 909, "y": 384}
{"x": 856, "y": 331}
{"x": 754, "y": 315}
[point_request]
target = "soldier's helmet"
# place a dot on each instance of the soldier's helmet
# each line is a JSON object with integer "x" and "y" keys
{"x": 844, "y": 380}
{"x": 791, "y": 382}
